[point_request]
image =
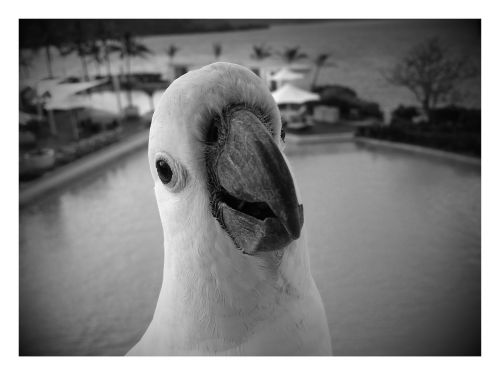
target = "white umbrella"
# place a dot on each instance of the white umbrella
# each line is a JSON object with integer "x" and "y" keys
{"x": 289, "y": 94}
{"x": 285, "y": 74}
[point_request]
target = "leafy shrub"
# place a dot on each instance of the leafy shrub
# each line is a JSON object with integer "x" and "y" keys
{"x": 468, "y": 143}
{"x": 348, "y": 102}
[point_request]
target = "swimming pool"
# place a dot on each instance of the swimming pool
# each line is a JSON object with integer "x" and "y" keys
{"x": 394, "y": 241}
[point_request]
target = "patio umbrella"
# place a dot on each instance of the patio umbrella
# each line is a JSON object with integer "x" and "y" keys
{"x": 285, "y": 74}
{"x": 289, "y": 94}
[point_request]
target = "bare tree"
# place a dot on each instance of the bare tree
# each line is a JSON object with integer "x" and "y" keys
{"x": 431, "y": 73}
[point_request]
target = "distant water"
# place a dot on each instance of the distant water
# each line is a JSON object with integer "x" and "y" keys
{"x": 361, "y": 51}
{"x": 394, "y": 241}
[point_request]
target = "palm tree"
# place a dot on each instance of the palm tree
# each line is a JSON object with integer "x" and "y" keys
{"x": 96, "y": 53}
{"x": 82, "y": 49}
{"x": 80, "y": 46}
{"x": 217, "y": 50}
{"x": 260, "y": 52}
{"x": 319, "y": 62}
{"x": 131, "y": 48}
{"x": 171, "y": 51}
{"x": 108, "y": 44}
{"x": 292, "y": 54}
{"x": 48, "y": 38}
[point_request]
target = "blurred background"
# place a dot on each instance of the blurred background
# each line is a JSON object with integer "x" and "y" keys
{"x": 383, "y": 131}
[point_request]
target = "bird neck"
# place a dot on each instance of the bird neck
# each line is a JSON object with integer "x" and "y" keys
{"x": 211, "y": 292}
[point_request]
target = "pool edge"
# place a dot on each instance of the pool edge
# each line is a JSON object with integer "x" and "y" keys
{"x": 88, "y": 164}
{"x": 419, "y": 150}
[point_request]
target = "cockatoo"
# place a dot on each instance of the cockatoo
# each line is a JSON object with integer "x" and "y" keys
{"x": 236, "y": 276}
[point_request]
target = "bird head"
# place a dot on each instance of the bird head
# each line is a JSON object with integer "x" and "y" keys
{"x": 216, "y": 156}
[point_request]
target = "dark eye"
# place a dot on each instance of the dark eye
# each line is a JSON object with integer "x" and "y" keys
{"x": 171, "y": 172}
{"x": 164, "y": 171}
{"x": 283, "y": 134}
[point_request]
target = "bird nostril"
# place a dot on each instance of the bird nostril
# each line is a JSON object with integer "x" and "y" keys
{"x": 213, "y": 132}
{"x": 283, "y": 134}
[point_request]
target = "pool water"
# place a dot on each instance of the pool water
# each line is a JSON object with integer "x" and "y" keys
{"x": 394, "y": 241}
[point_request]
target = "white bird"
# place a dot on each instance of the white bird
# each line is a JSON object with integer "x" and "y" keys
{"x": 236, "y": 277}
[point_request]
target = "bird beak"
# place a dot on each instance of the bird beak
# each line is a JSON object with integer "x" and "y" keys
{"x": 258, "y": 201}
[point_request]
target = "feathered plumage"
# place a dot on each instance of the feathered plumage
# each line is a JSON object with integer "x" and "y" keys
{"x": 215, "y": 298}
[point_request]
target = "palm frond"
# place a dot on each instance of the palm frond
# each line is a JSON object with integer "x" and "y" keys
{"x": 260, "y": 52}
{"x": 292, "y": 54}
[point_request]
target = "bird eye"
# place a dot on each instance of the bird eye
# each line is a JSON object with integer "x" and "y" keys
{"x": 164, "y": 171}
{"x": 171, "y": 173}
{"x": 283, "y": 134}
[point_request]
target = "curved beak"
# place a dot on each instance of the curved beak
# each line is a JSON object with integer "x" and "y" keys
{"x": 259, "y": 205}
